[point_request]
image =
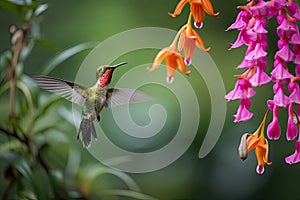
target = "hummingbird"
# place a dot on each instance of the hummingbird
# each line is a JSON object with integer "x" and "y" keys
{"x": 92, "y": 99}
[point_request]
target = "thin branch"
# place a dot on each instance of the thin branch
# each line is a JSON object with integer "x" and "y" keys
{"x": 13, "y": 134}
{"x": 18, "y": 43}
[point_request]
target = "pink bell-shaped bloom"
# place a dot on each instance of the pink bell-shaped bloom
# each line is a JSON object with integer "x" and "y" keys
{"x": 294, "y": 158}
{"x": 273, "y": 130}
{"x": 297, "y": 70}
{"x": 241, "y": 21}
{"x": 279, "y": 72}
{"x": 261, "y": 8}
{"x": 280, "y": 99}
{"x": 257, "y": 53}
{"x": 243, "y": 114}
{"x": 243, "y": 38}
{"x": 242, "y": 90}
{"x": 296, "y": 49}
{"x": 292, "y": 130}
{"x": 285, "y": 29}
{"x": 293, "y": 9}
{"x": 295, "y": 92}
{"x": 295, "y": 39}
{"x": 284, "y": 53}
{"x": 259, "y": 78}
{"x": 258, "y": 29}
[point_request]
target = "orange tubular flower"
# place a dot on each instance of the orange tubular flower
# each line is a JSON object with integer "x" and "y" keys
{"x": 189, "y": 38}
{"x": 174, "y": 60}
{"x": 197, "y": 8}
{"x": 259, "y": 143}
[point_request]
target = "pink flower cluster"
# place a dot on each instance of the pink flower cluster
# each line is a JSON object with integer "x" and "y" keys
{"x": 251, "y": 22}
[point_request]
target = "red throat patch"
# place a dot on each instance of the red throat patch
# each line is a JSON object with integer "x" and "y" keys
{"x": 105, "y": 78}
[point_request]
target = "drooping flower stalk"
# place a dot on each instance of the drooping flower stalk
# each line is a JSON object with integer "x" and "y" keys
{"x": 251, "y": 23}
{"x": 258, "y": 142}
{"x": 186, "y": 39}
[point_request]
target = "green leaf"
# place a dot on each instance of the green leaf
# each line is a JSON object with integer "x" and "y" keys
{"x": 26, "y": 194}
{"x": 44, "y": 129}
{"x": 19, "y": 163}
{"x": 18, "y": 7}
{"x": 47, "y": 44}
{"x": 5, "y": 59}
{"x": 46, "y": 106}
{"x": 73, "y": 162}
{"x": 42, "y": 185}
{"x": 34, "y": 89}
{"x": 94, "y": 171}
{"x": 66, "y": 54}
{"x": 12, "y": 7}
{"x": 11, "y": 145}
{"x": 24, "y": 88}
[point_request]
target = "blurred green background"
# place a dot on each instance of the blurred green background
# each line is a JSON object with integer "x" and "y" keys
{"x": 221, "y": 174}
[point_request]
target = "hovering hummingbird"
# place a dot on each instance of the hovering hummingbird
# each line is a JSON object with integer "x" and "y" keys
{"x": 92, "y": 99}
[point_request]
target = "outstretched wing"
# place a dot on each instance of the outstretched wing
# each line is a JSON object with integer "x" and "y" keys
{"x": 66, "y": 89}
{"x": 118, "y": 96}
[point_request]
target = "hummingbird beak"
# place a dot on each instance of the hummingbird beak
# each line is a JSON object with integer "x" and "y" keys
{"x": 120, "y": 64}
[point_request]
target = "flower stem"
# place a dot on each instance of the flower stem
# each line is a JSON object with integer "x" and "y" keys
{"x": 174, "y": 43}
{"x": 264, "y": 122}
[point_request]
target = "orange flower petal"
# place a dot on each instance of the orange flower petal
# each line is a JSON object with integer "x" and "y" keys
{"x": 199, "y": 41}
{"x": 158, "y": 59}
{"x": 189, "y": 47}
{"x": 181, "y": 65}
{"x": 266, "y": 155}
{"x": 170, "y": 73}
{"x": 252, "y": 142}
{"x": 181, "y": 41}
{"x": 171, "y": 61}
{"x": 197, "y": 11}
{"x": 207, "y": 7}
{"x": 178, "y": 8}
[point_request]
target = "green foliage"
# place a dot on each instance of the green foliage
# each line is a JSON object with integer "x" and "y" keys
{"x": 38, "y": 161}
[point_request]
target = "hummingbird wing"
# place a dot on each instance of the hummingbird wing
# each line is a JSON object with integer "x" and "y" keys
{"x": 66, "y": 89}
{"x": 121, "y": 96}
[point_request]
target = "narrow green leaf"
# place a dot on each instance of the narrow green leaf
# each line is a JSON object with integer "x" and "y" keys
{"x": 44, "y": 129}
{"x": 23, "y": 87}
{"x": 11, "y": 145}
{"x": 46, "y": 106}
{"x": 94, "y": 171}
{"x": 12, "y": 7}
{"x": 47, "y": 44}
{"x": 18, "y": 7}
{"x": 66, "y": 54}
{"x": 19, "y": 163}
{"x": 5, "y": 59}
{"x": 26, "y": 194}
{"x": 73, "y": 163}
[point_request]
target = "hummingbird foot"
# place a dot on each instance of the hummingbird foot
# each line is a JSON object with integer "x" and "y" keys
{"x": 98, "y": 118}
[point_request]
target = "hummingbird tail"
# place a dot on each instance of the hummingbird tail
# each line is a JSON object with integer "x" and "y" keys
{"x": 87, "y": 129}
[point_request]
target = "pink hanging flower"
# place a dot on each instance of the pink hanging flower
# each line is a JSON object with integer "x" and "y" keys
{"x": 251, "y": 23}
{"x": 292, "y": 130}
{"x": 243, "y": 114}
{"x": 294, "y": 158}
{"x": 273, "y": 129}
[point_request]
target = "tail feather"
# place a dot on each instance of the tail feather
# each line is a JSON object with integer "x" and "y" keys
{"x": 87, "y": 129}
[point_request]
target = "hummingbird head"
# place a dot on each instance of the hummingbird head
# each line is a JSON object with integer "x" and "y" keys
{"x": 104, "y": 73}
